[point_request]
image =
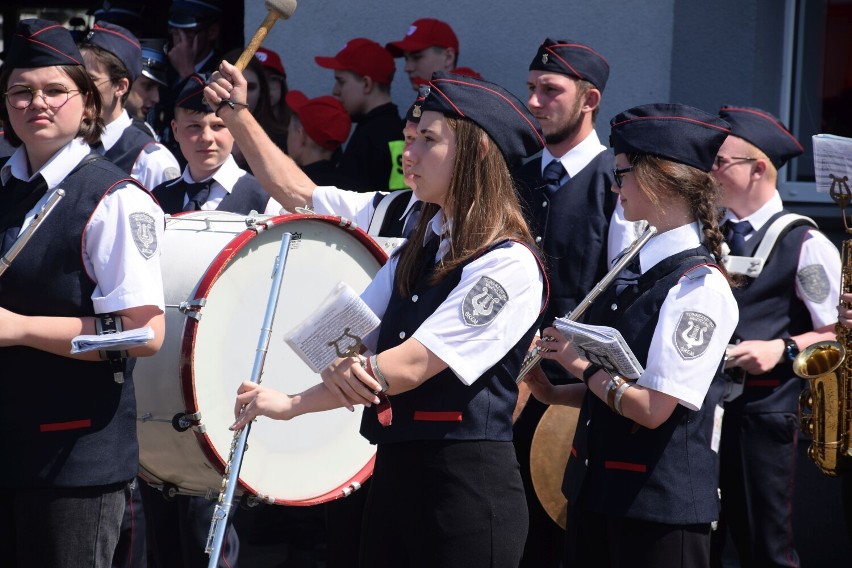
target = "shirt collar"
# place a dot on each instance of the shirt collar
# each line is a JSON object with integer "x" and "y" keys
{"x": 53, "y": 171}
{"x": 578, "y": 157}
{"x": 760, "y": 217}
{"x": 227, "y": 175}
{"x": 200, "y": 65}
{"x": 114, "y": 130}
{"x": 411, "y": 201}
{"x": 663, "y": 245}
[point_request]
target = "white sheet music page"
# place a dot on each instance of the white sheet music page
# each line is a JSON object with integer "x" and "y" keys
{"x": 832, "y": 160}
{"x": 334, "y": 329}
{"x": 602, "y": 345}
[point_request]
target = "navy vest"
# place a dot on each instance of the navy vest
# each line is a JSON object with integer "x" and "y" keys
{"x": 665, "y": 475}
{"x": 444, "y": 408}
{"x": 769, "y": 309}
{"x": 127, "y": 148}
{"x": 82, "y": 430}
{"x": 246, "y": 196}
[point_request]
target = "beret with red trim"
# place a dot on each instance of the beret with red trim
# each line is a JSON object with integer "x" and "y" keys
{"x": 190, "y": 93}
{"x": 572, "y": 58}
{"x": 764, "y": 130}
{"x": 41, "y": 43}
{"x": 497, "y": 111}
{"x": 672, "y": 131}
{"x": 120, "y": 42}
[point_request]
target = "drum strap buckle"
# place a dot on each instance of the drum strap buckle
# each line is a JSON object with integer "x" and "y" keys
{"x": 192, "y": 308}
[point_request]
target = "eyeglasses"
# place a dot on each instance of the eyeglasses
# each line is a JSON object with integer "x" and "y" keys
{"x": 619, "y": 173}
{"x": 54, "y": 96}
{"x": 720, "y": 161}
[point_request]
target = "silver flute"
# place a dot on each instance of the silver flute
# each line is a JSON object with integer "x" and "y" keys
{"x": 216, "y": 535}
{"x": 27, "y": 233}
{"x": 534, "y": 357}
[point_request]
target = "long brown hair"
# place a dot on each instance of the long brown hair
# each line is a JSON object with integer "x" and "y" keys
{"x": 481, "y": 201}
{"x": 660, "y": 179}
{"x": 91, "y": 126}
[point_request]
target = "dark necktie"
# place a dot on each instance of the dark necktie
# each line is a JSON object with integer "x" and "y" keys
{"x": 735, "y": 234}
{"x": 628, "y": 276}
{"x": 553, "y": 173}
{"x": 17, "y": 197}
{"x": 411, "y": 220}
{"x": 197, "y": 194}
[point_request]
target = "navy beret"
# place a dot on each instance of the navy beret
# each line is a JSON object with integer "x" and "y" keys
{"x": 672, "y": 131}
{"x": 497, "y": 111}
{"x": 120, "y": 42}
{"x": 190, "y": 93}
{"x": 41, "y": 43}
{"x": 572, "y": 58}
{"x": 189, "y": 14}
{"x": 415, "y": 110}
{"x": 764, "y": 130}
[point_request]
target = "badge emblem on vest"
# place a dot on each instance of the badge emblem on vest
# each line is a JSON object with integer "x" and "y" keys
{"x": 483, "y": 302}
{"x": 144, "y": 234}
{"x": 814, "y": 283}
{"x": 692, "y": 334}
{"x": 544, "y": 58}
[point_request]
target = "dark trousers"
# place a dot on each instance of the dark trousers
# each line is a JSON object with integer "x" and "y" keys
{"x": 757, "y": 467}
{"x": 177, "y": 531}
{"x": 598, "y": 541}
{"x": 454, "y": 504}
{"x": 61, "y": 527}
{"x": 131, "y": 551}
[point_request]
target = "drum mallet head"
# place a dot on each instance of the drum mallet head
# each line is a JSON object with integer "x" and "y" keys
{"x": 277, "y": 9}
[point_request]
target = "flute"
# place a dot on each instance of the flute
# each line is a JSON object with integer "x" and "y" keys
{"x": 27, "y": 233}
{"x": 534, "y": 357}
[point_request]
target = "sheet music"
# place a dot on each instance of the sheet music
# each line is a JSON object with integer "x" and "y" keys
{"x": 118, "y": 341}
{"x": 335, "y": 328}
{"x": 832, "y": 160}
{"x": 601, "y": 345}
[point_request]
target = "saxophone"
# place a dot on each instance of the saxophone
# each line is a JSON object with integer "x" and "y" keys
{"x": 825, "y": 406}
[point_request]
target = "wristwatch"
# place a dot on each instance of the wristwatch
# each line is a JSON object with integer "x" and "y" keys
{"x": 790, "y": 349}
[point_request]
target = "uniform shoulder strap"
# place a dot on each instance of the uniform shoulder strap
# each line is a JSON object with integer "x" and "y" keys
{"x": 752, "y": 266}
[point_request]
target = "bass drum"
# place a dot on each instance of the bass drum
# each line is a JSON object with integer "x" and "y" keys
{"x": 217, "y": 270}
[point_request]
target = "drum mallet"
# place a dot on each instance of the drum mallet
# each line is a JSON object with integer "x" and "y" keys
{"x": 278, "y": 9}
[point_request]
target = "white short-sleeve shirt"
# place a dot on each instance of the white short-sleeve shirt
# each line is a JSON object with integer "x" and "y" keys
{"x": 126, "y": 274}
{"x": 470, "y": 350}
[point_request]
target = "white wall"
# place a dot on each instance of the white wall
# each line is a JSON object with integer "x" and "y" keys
{"x": 498, "y": 39}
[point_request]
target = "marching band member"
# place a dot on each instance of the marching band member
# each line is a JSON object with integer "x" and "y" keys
{"x": 93, "y": 266}
{"x": 459, "y": 305}
{"x": 641, "y": 480}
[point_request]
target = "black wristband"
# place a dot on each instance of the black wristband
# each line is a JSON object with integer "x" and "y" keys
{"x": 230, "y": 103}
{"x": 106, "y": 324}
{"x": 590, "y": 370}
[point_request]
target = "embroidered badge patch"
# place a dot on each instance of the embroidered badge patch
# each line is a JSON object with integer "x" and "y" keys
{"x": 144, "y": 234}
{"x": 814, "y": 283}
{"x": 692, "y": 334}
{"x": 483, "y": 302}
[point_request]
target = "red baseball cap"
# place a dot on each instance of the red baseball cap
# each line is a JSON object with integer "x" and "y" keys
{"x": 270, "y": 60}
{"x": 423, "y": 33}
{"x": 364, "y": 57}
{"x": 323, "y": 118}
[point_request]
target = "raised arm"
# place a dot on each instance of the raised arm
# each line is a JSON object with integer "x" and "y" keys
{"x": 279, "y": 175}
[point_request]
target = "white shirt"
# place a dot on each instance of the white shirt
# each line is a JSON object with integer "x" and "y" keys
{"x": 154, "y": 165}
{"x": 819, "y": 255}
{"x": 224, "y": 180}
{"x": 351, "y": 205}
{"x": 667, "y": 370}
{"x": 471, "y": 350}
{"x": 620, "y": 232}
{"x": 124, "y": 277}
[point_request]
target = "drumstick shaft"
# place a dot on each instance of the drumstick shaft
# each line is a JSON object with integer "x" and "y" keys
{"x": 218, "y": 523}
